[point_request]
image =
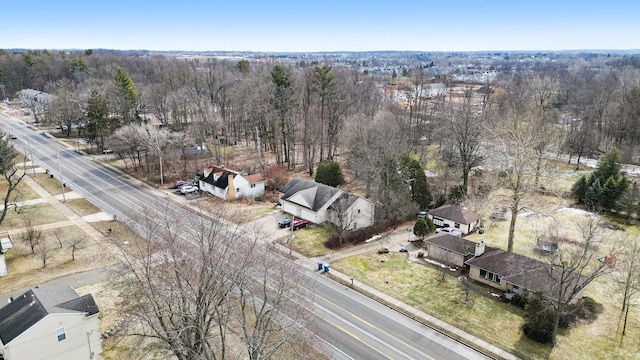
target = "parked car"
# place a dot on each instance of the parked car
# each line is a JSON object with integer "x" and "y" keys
{"x": 285, "y": 222}
{"x": 180, "y": 183}
{"x": 13, "y": 136}
{"x": 449, "y": 230}
{"x": 299, "y": 224}
{"x": 188, "y": 189}
{"x": 107, "y": 151}
{"x": 422, "y": 214}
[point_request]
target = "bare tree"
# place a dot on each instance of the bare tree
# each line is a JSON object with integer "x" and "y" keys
{"x": 43, "y": 251}
{"x": 57, "y": 233}
{"x": 576, "y": 266}
{"x": 75, "y": 244}
{"x": 12, "y": 175}
{"x": 31, "y": 235}
{"x": 626, "y": 277}
{"x": 463, "y": 130}
{"x": 189, "y": 291}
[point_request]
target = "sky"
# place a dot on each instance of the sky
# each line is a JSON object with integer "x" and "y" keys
{"x": 330, "y": 25}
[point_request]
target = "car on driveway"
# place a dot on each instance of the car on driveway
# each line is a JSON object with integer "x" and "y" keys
{"x": 13, "y": 136}
{"x": 178, "y": 184}
{"x": 188, "y": 189}
{"x": 422, "y": 214}
{"x": 107, "y": 151}
{"x": 299, "y": 224}
{"x": 449, "y": 230}
{"x": 285, "y": 222}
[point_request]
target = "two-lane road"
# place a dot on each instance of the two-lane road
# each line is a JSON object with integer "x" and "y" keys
{"x": 354, "y": 326}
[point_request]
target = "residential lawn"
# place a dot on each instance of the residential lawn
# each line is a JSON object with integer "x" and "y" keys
{"x": 82, "y": 206}
{"x": 491, "y": 320}
{"x": 25, "y": 269}
{"x": 52, "y": 185}
{"x": 23, "y": 191}
{"x": 38, "y": 214}
{"x": 309, "y": 241}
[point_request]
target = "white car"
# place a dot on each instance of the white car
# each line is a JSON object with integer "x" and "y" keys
{"x": 188, "y": 189}
{"x": 449, "y": 230}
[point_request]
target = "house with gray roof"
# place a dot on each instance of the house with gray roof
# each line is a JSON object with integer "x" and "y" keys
{"x": 50, "y": 322}
{"x": 456, "y": 217}
{"x": 452, "y": 250}
{"x": 517, "y": 274}
{"x": 318, "y": 203}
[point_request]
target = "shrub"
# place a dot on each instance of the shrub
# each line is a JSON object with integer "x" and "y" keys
{"x": 519, "y": 301}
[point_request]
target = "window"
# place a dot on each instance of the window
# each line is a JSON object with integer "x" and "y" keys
{"x": 237, "y": 189}
{"x": 253, "y": 185}
{"x": 490, "y": 276}
{"x": 456, "y": 225}
{"x": 358, "y": 211}
{"x": 61, "y": 334}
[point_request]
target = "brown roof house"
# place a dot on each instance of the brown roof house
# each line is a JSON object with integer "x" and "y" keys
{"x": 50, "y": 322}
{"x": 456, "y": 217}
{"x": 452, "y": 250}
{"x": 229, "y": 185}
{"x": 517, "y": 274}
{"x": 318, "y": 203}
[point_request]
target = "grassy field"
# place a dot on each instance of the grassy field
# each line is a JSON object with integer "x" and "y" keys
{"x": 52, "y": 185}
{"x": 23, "y": 191}
{"x": 25, "y": 269}
{"x": 486, "y": 318}
{"x": 309, "y": 241}
{"x": 82, "y": 207}
{"x": 38, "y": 214}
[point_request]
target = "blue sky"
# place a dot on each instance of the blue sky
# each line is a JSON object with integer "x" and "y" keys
{"x": 322, "y": 25}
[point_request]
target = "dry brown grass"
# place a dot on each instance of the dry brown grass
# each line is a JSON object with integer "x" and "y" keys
{"x": 25, "y": 269}
{"x": 39, "y": 214}
{"x": 51, "y": 185}
{"x": 82, "y": 207}
{"x": 23, "y": 191}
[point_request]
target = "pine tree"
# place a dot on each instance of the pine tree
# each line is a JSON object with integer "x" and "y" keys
{"x": 424, "y": 227}
{"x": 329, "y": 173}
{"x": 592, "y": 196}
{"x": 579, "y": 189}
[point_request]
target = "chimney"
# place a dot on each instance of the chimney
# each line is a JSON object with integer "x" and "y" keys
{"x": 231, "y": 192}
{"x": 479, "y": 248}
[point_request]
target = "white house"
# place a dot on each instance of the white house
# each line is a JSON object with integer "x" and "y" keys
{"x": 318, "y": 203}
{"x": 228, "y": 184}
{"x": 50, "y": 322}
{"x": 455, "y": 216}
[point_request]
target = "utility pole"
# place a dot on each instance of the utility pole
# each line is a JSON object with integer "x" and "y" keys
{"x": 61, "y": 182}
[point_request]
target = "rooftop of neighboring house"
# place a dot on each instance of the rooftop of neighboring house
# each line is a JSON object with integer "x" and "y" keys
{"x": 35, "y": 304}
{"x": 455, "y": 244}
{"x": 307, "y": 193}
{"x": 455, "y": 213}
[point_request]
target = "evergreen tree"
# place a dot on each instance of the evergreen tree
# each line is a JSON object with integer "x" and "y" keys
{"x": 579, "y": 188}
{"x": 593, "y": 195}
{"x": 128, "y": 95}
{"x": 415, "y": 175}
{"x": 611, "y": 183}
{"x": 424, "y": 227}
{"x": 97, "y": 118}
{"x": 539, "y": 320}
{"x": 629, "y": 201}
{"x": 329, "y": 173}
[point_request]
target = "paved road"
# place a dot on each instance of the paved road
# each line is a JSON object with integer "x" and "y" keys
{"x": 354, "y": 325}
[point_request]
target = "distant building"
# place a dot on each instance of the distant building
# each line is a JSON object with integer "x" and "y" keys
{"x": 50, "y": 322}
{"x": 37, "y": 99}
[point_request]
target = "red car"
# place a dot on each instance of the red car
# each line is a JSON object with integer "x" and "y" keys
{"x": 299, "y": 223}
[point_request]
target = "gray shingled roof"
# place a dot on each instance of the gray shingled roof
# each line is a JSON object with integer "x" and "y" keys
{"x": 317, "y": 196}
{"x": 455, "y": 213}
{"x": 343, "y": 202}
{"x": 455, "y": 244}
{"x": 32, "y": 306}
